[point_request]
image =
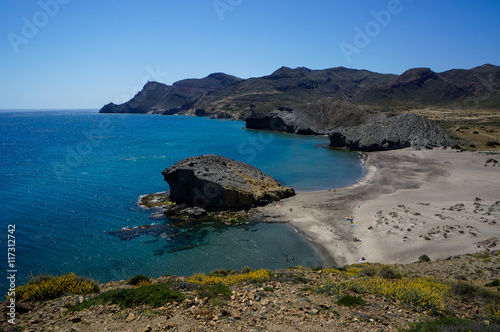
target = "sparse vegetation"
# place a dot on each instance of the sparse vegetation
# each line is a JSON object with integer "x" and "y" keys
{"x": 494, "y": 283}
{"x": 469, "y": 292}
{"x": 351, "y": 301}
{"x": 214, "y": 291}
{"x": 138, "y": 279}
{"x": 154, "y": 295}
{"x": 420, "y": 293}
{"x": 374, "y": 294}
{"x": 450, "y": 324}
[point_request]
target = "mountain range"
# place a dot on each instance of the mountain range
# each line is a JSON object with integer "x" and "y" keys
{"x": 224, "y": 96}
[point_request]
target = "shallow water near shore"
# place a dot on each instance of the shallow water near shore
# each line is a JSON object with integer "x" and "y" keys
{"x": 69, "y": 178}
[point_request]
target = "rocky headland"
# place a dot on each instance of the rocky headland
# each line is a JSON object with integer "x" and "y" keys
{"x": 159, "y": 98}
{"x": 390, "y": 133}
{"x": 355, "y": 128}
{"x": 314, "y": 118}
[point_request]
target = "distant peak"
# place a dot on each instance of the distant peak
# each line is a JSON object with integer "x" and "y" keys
{"x": 416, "y": 76}
{"x": 287, "y": 72}
{"x": 222, "y": 76}
{"x": 152, "y": 84}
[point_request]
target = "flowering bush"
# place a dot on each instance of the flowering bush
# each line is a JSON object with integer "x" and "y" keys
{"x": 493, "y": 311}
{"x": 143, "y": 283}
{"x": 50, "y": 287}
{"x": 420, "y": 293}
{"x": 253, "y": 276}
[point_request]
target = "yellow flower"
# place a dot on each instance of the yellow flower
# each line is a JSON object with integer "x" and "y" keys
{"x": 253, "y": 276}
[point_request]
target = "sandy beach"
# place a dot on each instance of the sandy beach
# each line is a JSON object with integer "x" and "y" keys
{"x": 436, "y": 202}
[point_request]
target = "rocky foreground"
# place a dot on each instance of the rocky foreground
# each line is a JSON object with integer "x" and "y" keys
{"x": 288, "y": 301}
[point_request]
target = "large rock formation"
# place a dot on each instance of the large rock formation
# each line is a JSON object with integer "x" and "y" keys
{"x": 355, "y": 128}
{"x": 165, "y": 99}
{"x": 216, "y": 183}
{"x": 315, "y": 118}
{"x": 397, "y": 132}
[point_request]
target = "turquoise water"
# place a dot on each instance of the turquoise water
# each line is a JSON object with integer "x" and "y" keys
{"x": 69, "y": 179}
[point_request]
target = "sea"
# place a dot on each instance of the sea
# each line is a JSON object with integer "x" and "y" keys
{"x": 70, "y": 181}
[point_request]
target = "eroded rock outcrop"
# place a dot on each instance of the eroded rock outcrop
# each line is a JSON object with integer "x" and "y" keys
{"x": 216, "y": 183}
{"x": 397, "y": 132}
{"x": 315, "y": 118}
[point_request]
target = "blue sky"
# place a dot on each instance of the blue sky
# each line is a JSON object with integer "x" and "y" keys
{"x": 81, "y": 54}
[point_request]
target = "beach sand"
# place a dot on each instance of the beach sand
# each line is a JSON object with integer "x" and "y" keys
{"x": 436, "y": 202}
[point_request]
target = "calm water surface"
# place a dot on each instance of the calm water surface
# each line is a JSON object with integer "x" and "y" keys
{"x": 70, "y": 178}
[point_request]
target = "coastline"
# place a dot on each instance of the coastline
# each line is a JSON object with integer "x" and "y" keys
{"x": 408, "y": 203}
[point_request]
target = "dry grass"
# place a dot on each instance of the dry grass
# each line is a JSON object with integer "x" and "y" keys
{"x": 479, "y": 126}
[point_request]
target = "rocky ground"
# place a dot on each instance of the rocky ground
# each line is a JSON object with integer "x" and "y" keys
{"x": 287, "y": 302}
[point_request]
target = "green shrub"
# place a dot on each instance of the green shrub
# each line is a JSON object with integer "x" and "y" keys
{"x": 382, "y": 271}
{"x": 219, "y": 273}
{"x": 45, "y": 287}
{"x": 493, "y": 310}
{"x": 388, "y": 272}
{"x": 135, "y": 280}
{"x": 218, "y": 302}
{"x": 246, "y": 269}
{"x": 450, "y": 324}
{"x": 154, "y": 295}
{"x": 368, "y": 271}
{"x": 291, "y": 278}
{"x": 351, "y": 301}
{"x": 424, "y": 258}
{"x": 494, "y": 283}
{"x": 493, "y": 144}
{"x": 214, "y": 291}
{"x": 467, "y": 291}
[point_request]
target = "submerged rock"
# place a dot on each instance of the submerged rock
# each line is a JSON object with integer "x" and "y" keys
{"x": 216, "y": 183}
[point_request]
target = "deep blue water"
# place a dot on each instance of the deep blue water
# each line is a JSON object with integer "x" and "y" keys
{"x": 68, "y": 178}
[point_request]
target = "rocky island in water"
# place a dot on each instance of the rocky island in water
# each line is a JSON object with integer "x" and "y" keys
{"x": 216, "y": 185}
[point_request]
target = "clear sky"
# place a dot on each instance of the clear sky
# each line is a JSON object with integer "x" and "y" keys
{"x": 81, "y": 54}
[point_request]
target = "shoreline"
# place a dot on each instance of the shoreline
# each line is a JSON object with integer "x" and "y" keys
{"x": 320, "y": 249}
{"x": 408, "y": 203}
